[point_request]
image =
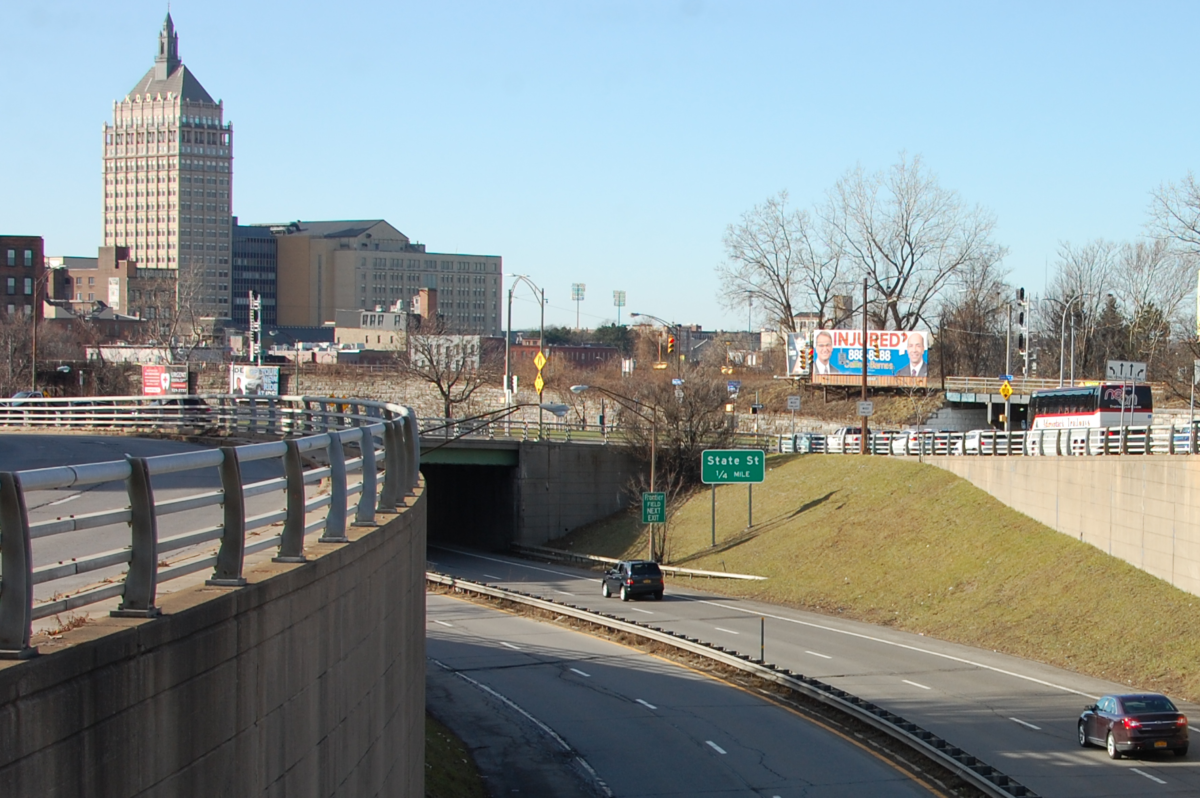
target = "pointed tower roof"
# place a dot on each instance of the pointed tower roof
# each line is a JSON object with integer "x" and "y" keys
{"x": 169, "y": 75}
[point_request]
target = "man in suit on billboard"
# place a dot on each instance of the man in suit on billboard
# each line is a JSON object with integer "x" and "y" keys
{"x": 916, "y": 367}
{"x": 823, "y": 344}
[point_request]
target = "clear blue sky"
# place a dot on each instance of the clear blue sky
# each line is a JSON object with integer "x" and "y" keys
{"x": 610, "y": 143}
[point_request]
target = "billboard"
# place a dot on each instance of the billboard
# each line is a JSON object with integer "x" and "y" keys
{"x": 253, "y": 380}
{"x": 164, "y": 380}
{"x": 834, "y": 357}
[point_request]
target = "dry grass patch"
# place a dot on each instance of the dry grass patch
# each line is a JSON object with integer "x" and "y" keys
{"x": 903, "y": 544}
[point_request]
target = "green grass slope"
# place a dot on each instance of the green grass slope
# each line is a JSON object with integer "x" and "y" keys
{"x": 903, "y": 544}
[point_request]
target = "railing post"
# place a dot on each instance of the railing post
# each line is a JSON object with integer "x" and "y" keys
{"x": 231, "y": 555}
{"x": 16, "y": 566}
{"x": 365, "y": 515}
{"x": 335, "y": 519}
{"x": 273, "y": 416}
{"x": 141, "y": 582}
{"x": 412, "y": 463}
{"x": 392, "y": 460}
{"x": 291, "y": 543}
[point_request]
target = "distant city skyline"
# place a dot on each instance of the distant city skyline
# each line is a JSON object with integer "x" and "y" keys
{"x": 610, "y": 143}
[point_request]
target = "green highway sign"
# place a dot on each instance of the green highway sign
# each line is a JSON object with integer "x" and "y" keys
{"x": 654, "y": 508}
{"x": 725, "y": 466}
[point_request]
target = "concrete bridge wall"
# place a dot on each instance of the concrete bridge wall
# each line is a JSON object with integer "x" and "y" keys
{"x": 306, "y": 683}
{"x": 561, "y": 486}
{"x": 1143, "y": 509}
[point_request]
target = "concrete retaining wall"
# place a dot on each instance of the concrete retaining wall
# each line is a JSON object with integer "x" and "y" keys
{"x": 561, "y": 486}
{"x": 307, "y": 683}
{"x": 1141, "y": 509}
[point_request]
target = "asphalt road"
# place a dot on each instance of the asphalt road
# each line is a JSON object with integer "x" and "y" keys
{"x": 569, "y": 714}
{"x": 1014, "y": 714}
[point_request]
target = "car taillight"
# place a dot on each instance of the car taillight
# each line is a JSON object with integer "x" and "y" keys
{"x": 1181, "y": 720}
{"x": 629, "y": 581}
{"x": 1131, "y": 723}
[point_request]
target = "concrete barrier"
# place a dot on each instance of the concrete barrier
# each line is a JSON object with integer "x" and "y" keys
{"x": 1141, "y": 509}
{"x": 308, "y": 681}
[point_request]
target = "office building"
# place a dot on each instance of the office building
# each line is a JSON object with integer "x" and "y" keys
{"x": 168, "y": 177}
{"x": 325, "y": 267}
{"x": 255, "y": 261}
{"x": 22, "y": 275}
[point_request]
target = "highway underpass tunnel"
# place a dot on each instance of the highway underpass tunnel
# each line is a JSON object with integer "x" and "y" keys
{"x": 469, "y": 504}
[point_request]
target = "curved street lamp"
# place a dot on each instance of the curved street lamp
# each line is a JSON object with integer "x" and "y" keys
{"x": 671, "y": 327}
{"x": 541, "y": 295}
{"x": 630, "y": 404}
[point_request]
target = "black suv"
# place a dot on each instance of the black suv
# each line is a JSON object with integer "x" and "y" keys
{"x": 633, "y": 578}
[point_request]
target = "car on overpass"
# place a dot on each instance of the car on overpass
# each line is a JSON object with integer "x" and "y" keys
{"x": 632, "y": 578}
{"x": 1138, "y": 722}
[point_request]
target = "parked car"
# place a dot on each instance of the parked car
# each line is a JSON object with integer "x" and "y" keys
{"x": 1132, "y": 723}
{"x": 633, "y": 578}
{"x": 843, "y": 440}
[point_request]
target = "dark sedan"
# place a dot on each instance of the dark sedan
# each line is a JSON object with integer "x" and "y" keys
{"x": 633, "y": 578}
{"x": 1129, "y": 723}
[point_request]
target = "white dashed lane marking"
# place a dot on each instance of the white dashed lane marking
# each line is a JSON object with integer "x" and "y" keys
{"x": 643, "y": 612}
{"x": 581, "y": 673}
{"x": 443, "y": 623}
{"x": 1147, "y": 775}
{"x": 1024, "y": 723}
{"x": 815, "y": 654}
{"x": 915, "y": 684}
{"x": 493, "y": 576}
{"x": 727, "y": 631}
{"x": 510, "y": 645}
{"x": 646, "y": 704}
{"x": 715, "y": 747}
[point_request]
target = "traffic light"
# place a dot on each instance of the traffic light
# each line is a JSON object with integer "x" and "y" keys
{"x": 877, "y": 349}
{"x": 804, "y": 359}
{"x": 670, "y": 344}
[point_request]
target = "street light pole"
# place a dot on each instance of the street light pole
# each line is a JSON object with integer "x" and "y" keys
{"x": 517, "y": 280}
{"x": 1062, "y": 334}
{"x": 672, "y": 329}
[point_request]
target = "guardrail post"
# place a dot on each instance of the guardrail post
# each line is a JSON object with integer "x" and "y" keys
{"x": 231, "y": 556}
{"x": 141, "y": 581}
{"x": 412, "y": 464}
{"x": 365, "y": 515}
{"x": 16, "y": 566}
{"x": 291, "y": 543}
{"x": 392, "y": 459}
{"x": 335, "y": 519}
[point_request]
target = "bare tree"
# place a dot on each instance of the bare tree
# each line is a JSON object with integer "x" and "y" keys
{"x": 777, "y": 257}
{"x": 1156, "y": 276}
{"x": 909, "y": 237}
{"x": 1076, "y": 298}
{"x": 972, "y": 324}
{"x": 455, "y": 365}
{"x": 1175, "y": 213}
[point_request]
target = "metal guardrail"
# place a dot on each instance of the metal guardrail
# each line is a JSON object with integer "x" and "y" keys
{"x": 593, "y": 559}
{"x": 982, "y": 776}
{"x": 336, "y": 424}
{"x": 1086, "y": 441}
{"x": 556, "y": 431}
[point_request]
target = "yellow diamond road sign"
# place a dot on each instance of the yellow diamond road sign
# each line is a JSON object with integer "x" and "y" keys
{"x": 539, "y": 360}
{"x": 1006, "y": 389}
{"x": 538, "y": 383}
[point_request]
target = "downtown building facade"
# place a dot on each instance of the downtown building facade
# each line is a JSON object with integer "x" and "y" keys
{"x": 168, "y": 180}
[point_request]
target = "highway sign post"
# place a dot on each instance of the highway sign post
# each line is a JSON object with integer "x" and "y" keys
{"x": 866, "y": 409}
{"x": 730, "y": 467}
{"x": 1125, "y": 371}
{"x": 793, "y": 404}
{"x": 654, "y": 508}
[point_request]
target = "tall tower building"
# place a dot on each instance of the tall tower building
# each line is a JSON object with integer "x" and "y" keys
{"x": 168, "y": 180}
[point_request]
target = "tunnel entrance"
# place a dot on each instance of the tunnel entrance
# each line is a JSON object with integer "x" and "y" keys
{"x": 473, "y": 506}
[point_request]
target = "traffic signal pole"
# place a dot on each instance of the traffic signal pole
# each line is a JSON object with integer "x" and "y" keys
{"x": 862, "y": 439}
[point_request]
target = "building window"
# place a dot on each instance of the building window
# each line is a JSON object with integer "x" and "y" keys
{"x": 29, "y": 257}
{"x": 12, "y": 285}
{"x": 28, "y": 286}
{"x": 12, "y": 257}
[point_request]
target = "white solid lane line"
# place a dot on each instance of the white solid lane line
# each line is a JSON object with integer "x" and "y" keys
{"x": 493, "y": 576}
{"x": 1147, "y": 775}
{"x": 727, "y": 631}
{"x": 915, "y": 684}
{"x": 581, "y": 673}
{"x": 646, "y": 704}
{"x": 1024, "y": 723}
{"x": 815, "y": 654}
{"x": 510, "y": 645}
{"x": 906, "y": 646}
{"x": 715, "y": 747}
{"x": 443, "y": 623}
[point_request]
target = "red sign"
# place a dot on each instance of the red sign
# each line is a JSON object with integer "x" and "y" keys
{"x": 162, "y": 380}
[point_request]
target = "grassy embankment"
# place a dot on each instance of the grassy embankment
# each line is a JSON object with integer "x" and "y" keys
{"x": 449, "y": 769}
{"x": 899, "y": 543}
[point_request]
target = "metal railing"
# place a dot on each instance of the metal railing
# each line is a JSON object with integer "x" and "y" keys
{"x": 557, "y": 431}
{"x": 1171, "y": 438}
{"x": 314, "y": 429}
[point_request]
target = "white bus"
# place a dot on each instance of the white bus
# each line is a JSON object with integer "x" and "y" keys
{"x": 1104, "y": 405}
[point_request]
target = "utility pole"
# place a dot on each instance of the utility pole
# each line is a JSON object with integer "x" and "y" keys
{"x": 862, "y": 439}
{"x": 1008, "y": 368}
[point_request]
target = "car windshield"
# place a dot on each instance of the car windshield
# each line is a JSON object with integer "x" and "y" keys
{"x": 644, "y": 569}
{"x": 1136, "y": 705}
